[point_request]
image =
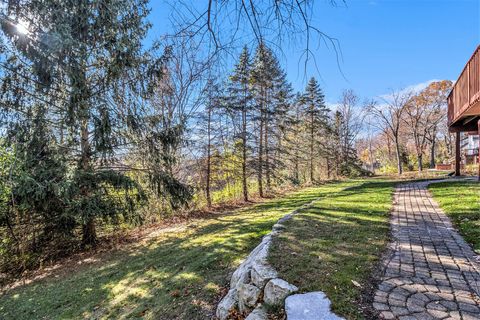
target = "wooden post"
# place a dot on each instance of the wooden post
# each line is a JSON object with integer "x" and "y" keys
{"x": 457, "y": 154}
{"x": 478, "y": 150}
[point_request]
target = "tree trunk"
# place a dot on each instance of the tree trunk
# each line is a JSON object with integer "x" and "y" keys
{"x": 328, "y": 169}
{"x": 370, "y": 155}
{"x": 449, "y": 144}
{"x": 295, "y": 172}
{"x": 296, "y": 146}
{"x": 432, "y": 154}
{"x": 337, "y": 162}
{"x": 420, "y": 162}
{"x": 89, "y": 232}
{"x": 311, "y": 147}
{"x": 399, "y": 159}
{"x": 209, "y": 146}
{"x": 267, "y": 155}
{"x": 244, "y": 155}
{"x": 89, "y": 236}
{"x": 389, "y": 148}
{"x": 260, "y": 158}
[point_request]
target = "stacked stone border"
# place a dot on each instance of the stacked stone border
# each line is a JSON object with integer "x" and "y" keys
{"x": 255, "y": 282}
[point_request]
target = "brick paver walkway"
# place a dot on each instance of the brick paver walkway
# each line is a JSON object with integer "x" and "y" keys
{"x": 432, "y": 273}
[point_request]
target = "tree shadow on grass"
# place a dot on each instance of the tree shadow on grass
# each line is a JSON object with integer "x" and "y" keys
{"x": 464, "y": 213}
{"x": 337, "y": 240}
{"x": 179, "y": 275}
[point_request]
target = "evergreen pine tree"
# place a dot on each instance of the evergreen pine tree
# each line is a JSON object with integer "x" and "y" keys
{"x": 213, "y": 103}
{"x": 316, "y": 117}
{"x": 240, "y": 100}
{"x": 80, "y": 59}
{"x": 282, "y": 114}
{"x": 266, "y": 76}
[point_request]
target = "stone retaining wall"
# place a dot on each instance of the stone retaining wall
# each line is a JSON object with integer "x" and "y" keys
{"x": 256, "y": 282}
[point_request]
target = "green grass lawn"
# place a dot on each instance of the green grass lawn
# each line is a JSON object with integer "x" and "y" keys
{"x": 461, "y": 202}
{"x": 178, "y": 274}
{"x": 335, "y": 245}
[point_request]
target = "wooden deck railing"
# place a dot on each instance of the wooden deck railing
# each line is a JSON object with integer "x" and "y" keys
{"x": 466, "y": 91}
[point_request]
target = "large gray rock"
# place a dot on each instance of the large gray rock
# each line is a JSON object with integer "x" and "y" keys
{"x": 309, "y": 306}
{"x": 258, "y": 255}
{"x": 247, "y": 296}
{"x": 259, "y": 313}
{"x": 261, "y": 273}
{"x": 278, "y": 227}
{"x": 276, "y": 290}
{"x": 241, "y": 275}
{"x": 228, "y": 303}
{"x": 286, "y": 217}
{"x": 262, "y": 252}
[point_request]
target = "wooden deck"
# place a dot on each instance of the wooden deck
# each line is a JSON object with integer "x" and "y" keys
{"x": 464, "y": 105}
{"x": 464, "y": 99}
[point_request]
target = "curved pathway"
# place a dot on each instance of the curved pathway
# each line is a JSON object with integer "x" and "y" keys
{"x": 432, "y": 272}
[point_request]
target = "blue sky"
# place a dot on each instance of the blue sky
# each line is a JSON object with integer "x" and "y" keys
{"x": 385, "y": 44}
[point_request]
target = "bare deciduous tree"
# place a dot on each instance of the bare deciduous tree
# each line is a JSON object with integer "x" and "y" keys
{"x": 352, "y": 121}
{"x": 387, "y": 116}
{"x": 424, "y": 115}
{"x": 223, "y": 24}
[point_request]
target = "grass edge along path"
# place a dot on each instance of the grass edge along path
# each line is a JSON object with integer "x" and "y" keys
{"x": 460, "y": 201}
{"x": 335, "y": 245}
{"x": 178, "y": 275}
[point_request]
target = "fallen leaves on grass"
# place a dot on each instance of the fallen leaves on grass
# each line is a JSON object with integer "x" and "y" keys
{"x": 356, "y": 284}
{"x": 175, "y": 293}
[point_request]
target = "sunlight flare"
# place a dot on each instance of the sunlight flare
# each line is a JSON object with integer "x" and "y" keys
{"x": 22, "y": 28}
